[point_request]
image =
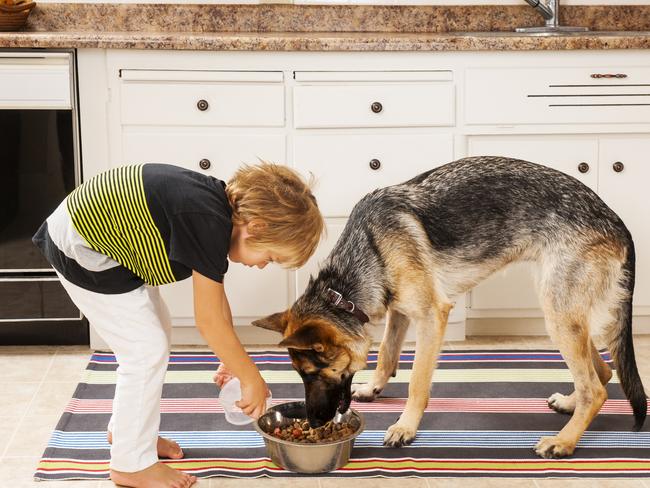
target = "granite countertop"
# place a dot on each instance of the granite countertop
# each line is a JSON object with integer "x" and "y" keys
{"x": 278, "y": 27}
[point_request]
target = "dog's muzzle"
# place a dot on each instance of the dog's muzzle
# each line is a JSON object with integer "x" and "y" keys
{"x": 324, "y": 399}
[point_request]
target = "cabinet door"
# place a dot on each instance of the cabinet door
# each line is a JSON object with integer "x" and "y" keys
{"x": 252, "y": 293}
{"x": 347, "y": 167}
{"x": 206, "y": 151}
{"x": 626, "y": 192}
{"x": 512, "y": 290}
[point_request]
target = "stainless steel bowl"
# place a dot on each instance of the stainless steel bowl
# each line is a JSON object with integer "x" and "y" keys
{"x": 301, "y": 457}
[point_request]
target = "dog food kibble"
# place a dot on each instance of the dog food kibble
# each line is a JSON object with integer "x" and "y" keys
{"x": 301, "y": 432}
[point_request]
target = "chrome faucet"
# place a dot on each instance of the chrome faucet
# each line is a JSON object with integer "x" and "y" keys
{"x": 551, "y": 13}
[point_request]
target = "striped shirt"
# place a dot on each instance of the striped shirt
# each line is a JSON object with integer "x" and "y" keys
{"x": 160, "y": 222}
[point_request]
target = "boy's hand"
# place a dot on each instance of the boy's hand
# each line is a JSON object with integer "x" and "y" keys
{"x": 222, "y": 376}
{"x": 253, "y": 398}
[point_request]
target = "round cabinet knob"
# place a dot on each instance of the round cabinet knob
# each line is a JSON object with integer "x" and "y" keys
{"x": 376, "y": 107}
{"x": 375, "y": 164}
{"x": 205, "y": 164}
{"x": 583, "y": 167}
{"x": 618, "y": 166}
{"x": 202, "y": 105}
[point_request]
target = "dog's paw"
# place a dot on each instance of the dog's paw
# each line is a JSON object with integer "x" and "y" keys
{"x": 553, "y": 448}
{"x": 398, "y": 436}
{"x": 364, "y": 392}
{"x": 562, "y": 403}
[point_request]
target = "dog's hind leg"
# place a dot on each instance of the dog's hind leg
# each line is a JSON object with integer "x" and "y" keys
{"x": 430, "y": 330}
{"x": 567, "y": 403}
{"x": 388, "y": 358}
{"x": 571, "y": 288}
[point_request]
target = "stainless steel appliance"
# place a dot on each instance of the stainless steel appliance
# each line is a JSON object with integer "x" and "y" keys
{"x": 39, "y": 166}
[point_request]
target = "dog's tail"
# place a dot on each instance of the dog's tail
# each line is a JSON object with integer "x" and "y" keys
{"x": 621, "y": 346}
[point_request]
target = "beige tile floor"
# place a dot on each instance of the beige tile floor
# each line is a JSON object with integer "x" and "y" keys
{"x": 37, "y": 382}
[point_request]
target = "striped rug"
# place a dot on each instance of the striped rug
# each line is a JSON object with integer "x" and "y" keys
{"x": 487, "y": 411}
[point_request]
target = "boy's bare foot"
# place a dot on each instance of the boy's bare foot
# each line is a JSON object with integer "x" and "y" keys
{"x": 166, "y": 447}
{"x": 155, "y": 476}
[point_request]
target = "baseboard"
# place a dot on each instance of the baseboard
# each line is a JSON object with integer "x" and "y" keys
{"x": 254, "y": 336}
{"x": 529, "y": 326}
{"x": 51, "y": 333}
{"x": 456, "y": 331}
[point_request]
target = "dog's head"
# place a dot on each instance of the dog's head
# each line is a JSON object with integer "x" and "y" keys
{"x": 325, "y": 356}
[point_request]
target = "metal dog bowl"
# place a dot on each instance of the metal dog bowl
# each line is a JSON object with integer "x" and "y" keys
{"x": 304, "y": 457}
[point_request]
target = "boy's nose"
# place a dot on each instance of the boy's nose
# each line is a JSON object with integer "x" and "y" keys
{"x": 263, "y": 265}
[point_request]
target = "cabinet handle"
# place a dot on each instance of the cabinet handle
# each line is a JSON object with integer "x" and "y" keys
{"x": 376, "y": 107}
{"x": 608, "y": 75}
{"x": 205, "y": 163}
{"x": 375, "y": 164}
{"x": 583, "y": 167}
{"x": 618, "y": 166}
{"x": 202, "y": 105}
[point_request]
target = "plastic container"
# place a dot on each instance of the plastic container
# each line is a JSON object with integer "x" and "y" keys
{"x": 231, "y": 393}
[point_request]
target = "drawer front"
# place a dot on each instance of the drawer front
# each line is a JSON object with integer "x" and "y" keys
{"x": 557, "y": 95}
{"x": 37, "y": 299}
{"x": 347, "y": 167}
{"x": 31, "y": 82}
{"x": 205, "y": 151}
{"x": 374, "y": 105}
{"x": 202, "y": 101}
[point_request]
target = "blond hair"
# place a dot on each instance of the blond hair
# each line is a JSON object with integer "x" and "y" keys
{"x": 277, "y": 197}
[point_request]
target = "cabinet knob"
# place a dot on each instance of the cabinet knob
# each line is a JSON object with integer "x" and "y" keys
{"x": 202, "y": 105}
{"x": 583, "y": 167}
{"x": 618, "y": 166}
{"x": 375, "y": 164}
{"x": 205, "y": 163}
{"x": 376, "y": 107}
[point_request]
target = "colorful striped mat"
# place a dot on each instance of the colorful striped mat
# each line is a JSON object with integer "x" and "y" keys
{"x": 487, "y": 410}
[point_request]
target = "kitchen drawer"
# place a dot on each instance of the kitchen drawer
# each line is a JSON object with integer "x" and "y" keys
{"x": 200, "y": 150}
{"x": 389, "y": 103}
{"x": 35, "y": 299}
{"x": 344, "y": 164}
{"x": 557, "y": 95}
{"x": 202, "y": 98}
{"x": 35, "y": 80}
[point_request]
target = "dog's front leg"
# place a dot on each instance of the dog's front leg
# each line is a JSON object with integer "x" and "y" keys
{"x": 387, "y": 359}
{"x": 430, "y": 331}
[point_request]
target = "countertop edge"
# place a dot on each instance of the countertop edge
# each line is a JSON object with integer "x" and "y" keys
{"x": 321, "y": 41}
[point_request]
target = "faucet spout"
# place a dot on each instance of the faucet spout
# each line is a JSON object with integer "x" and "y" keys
{"x": 545, "y": 11}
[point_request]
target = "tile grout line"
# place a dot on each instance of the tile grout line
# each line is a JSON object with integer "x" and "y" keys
{"x": 49, "y": 366}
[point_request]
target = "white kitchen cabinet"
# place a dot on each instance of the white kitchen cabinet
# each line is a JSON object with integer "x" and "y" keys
{"x": 624, "y": 187}
{"x": 206, "y": 151}
{"x": 314, "y": 112}
{"x": 348, "y": 166}
{"x": 512, "y": 289}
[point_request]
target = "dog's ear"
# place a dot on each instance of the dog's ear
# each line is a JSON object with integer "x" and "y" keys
{"x": 276, "y": 322}
{"x": 307, "y": 337}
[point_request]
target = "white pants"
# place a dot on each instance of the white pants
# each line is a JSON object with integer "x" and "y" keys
{"x": 137, "y": 327}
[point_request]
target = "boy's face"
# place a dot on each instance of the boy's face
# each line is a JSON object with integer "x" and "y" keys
{"x": 241, "y": 252}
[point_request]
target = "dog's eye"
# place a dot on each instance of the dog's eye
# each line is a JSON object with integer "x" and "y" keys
{"x": 333, "y": 370}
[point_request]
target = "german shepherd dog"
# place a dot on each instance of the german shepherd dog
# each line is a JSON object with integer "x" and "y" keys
{"x": 409, "y": 249}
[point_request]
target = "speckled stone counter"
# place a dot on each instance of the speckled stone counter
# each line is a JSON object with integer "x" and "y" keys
{"x": 323, "y": 27}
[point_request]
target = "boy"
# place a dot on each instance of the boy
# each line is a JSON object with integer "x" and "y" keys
{"x": 121, "y": 234}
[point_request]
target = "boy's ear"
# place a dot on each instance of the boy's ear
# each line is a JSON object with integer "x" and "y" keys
{"x": 255, "y": 225}
{"x": 307, "y": 337}
{"x": 276, "y": 322}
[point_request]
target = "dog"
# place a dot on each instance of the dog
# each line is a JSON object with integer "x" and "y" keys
{"x": 408, "y": 249}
